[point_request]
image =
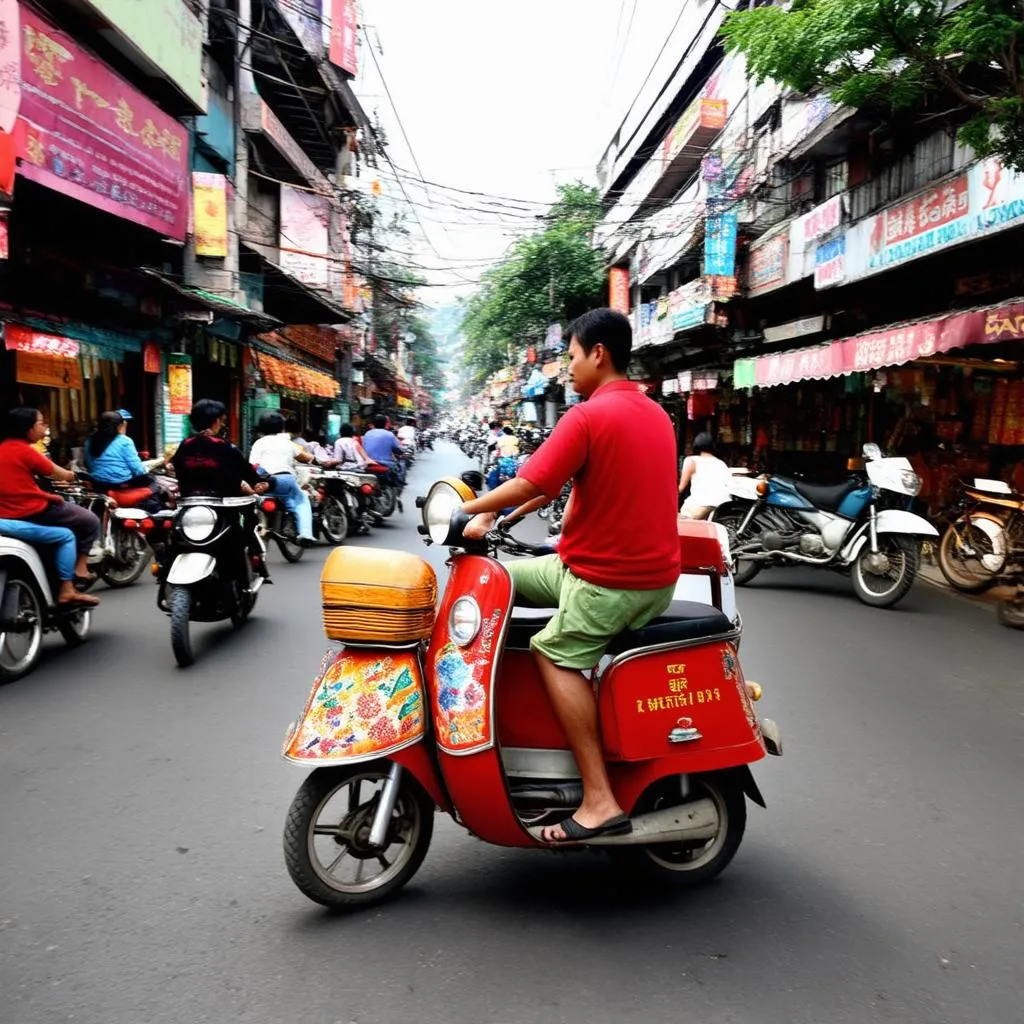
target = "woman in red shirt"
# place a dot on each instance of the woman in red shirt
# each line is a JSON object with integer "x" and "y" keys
{"x": 22, "y": 498}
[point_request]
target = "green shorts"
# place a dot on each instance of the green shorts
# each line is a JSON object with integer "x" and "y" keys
{"x": 588, "y": 616}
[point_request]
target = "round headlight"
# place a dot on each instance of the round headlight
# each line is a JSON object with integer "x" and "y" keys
{"x": 911, "y": 482}
{"x": 464, "y": 621}
{"x": 438, "y": 507}
{"x": 198, "y": 523}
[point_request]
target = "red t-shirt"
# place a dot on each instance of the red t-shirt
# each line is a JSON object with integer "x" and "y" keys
{"x": 20, "y": 495}
{"x": 619, "y": 449}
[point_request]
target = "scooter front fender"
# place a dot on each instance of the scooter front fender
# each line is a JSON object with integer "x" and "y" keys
{"x": 897, "y": 520}
{"x": 364, "y": 704}
{"x": 191, "y": 567}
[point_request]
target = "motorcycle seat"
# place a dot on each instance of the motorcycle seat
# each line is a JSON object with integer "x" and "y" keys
{"x": 682, "y": 620}
{"x": 828, "y": 497}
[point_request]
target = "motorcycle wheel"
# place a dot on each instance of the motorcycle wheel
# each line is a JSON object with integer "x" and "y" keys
{"x": 386, "y": 502}
{"x": 327, "y": 829}
{"x": 75, "y": 628}
{"x": 180, "y": 604}
{"x": 743, "y": 571}
{"x": 130, "y": 561}
{"x": 543, "y": 513}
{"x": 883, "y": 590}
{"x": 691, "y": 863}
{"x": 968, "y": 575}
{"x": 20, "y": 649}
{"x": 288, "y": 539}
{"x": 334, "y": 521}
{"x": 1011, "y": 613}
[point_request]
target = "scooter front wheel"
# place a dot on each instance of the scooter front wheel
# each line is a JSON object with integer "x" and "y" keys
{"x": 692, "y": 863}
{"x": 326, "y": 836}
{"x": 180, "y": 603}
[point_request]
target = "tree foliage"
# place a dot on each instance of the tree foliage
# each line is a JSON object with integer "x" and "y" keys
{"x": 550, "y": 276}
{"x": 895, "y": 54}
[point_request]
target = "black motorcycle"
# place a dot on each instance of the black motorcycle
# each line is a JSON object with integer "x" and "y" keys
{"x": 355, "y": 492}
{"x": 210, "y": 564}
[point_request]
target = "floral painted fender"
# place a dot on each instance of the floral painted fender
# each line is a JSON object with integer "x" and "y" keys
{"x": 363, "y": 705}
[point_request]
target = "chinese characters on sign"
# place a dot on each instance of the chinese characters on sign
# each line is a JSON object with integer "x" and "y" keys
{"x": 830, "y": 262}
{"x": 87, "y": 133}
{"x": 25, "y": 339}
{"x": 766, "y": 268}
{"x": 210, "y": 213}
{"x": 343, "y": 52}
{"x": 720, "y": 245}
{"x": 179, "y": 383}
{"x": 618, "y": 289}
{"x": 822, "y": 219}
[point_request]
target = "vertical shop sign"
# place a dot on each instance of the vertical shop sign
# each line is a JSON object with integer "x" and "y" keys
{"x": 179, "y": 383}
{"x": 305, "y": 236}
{"x": 10, "y": 57}
{"x": 720, "y": 245}
{"x": 618, "y": 289}
{"x": 210, "y": 213}
{"x": 344, "y": 28}
{"x": 830, "y": 263}
{"x": 766, "y": 268}
{"x": 151, "y": 357}
{"x": 5, "y": 239}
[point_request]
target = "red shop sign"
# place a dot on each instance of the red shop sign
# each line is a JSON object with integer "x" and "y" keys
{"x": 25, "y": 339}
{"x": 85, "y": 132}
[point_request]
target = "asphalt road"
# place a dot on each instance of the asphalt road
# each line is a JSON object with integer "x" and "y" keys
{"x": 141, "y": 807}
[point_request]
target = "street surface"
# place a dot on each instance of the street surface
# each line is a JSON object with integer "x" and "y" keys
{"x": 142, "y": 880}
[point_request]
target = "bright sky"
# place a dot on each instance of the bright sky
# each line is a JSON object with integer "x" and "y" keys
{"x": 506, "y": 99}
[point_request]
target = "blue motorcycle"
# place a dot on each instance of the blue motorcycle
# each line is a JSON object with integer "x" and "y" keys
{"x": 862, "y": 526}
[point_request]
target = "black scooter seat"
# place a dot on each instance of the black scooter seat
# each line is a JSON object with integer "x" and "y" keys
{"x": 827, "y": 497}
{"x": 681, "y": 621}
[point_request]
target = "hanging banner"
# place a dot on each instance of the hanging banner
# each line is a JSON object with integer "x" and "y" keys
{"x": 10, "y": 56}
{"x": 210, "y": 213}
{"x": 85, "y": 132}
{"x": 720, "y": 245}
{"x": 48, "y": 371}
{"x": 179, "y": 383}
{"x": 344, "y": 52}
{"x": 618, "y": 289}
{"x": 151, "y": 358}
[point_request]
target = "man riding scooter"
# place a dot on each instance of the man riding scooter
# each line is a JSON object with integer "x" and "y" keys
{"x": 606, "y": 576}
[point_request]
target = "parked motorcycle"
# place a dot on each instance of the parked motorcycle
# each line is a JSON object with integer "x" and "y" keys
{"x": 210, "y": 563}
{"x": 861, "y": 526}
{"x": 677, "y": 721}
{"x": 28, "y": 608}
{"x": 987, "y": 523}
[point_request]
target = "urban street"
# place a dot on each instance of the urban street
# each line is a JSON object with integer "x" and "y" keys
{"x": 142, "y": 807}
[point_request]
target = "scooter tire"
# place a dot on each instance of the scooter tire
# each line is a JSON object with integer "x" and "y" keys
{"x": 310, "y": 799}
{"x": 129, "y": 571}
{"x": 180, "y": 603}
{"x": 682, "y": 865}
{"x": 948, "y": 564}
{"x": 30, "y": 604}
{"x": 291, "y": 549}
{"x": 1011, "y": 614}
{"x": 732, "y": 518}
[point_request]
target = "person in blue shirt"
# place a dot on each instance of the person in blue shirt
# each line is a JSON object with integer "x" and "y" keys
{"x": 110, "y": 455}
{"x": 381, "y": 445}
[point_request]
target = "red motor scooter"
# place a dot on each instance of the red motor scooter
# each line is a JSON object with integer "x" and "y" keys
{"x": 419, "y": 710}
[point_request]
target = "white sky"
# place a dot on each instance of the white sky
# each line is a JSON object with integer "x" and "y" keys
{"x": 503, "y": 98}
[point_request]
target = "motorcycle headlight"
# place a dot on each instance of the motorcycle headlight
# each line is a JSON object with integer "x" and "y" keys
{"x": 198, "y": 523}
{"x": 464, "y": 621}
{"x": 444, "y": 498}
{"x": 911, "y": 482}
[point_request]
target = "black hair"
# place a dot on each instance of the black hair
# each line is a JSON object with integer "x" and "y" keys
{"x": 105, "y": 432}
{"x": 206, "y": 412}
{"x": 309, "y": 434}
{"x": 703, "y": 442}
{"x": 271, "y": 423}
{"x": 606, "y": 327}
{"x": 347, "y": 430}
{"x": 19, "y": 421}
{"x": 292, "y": 425}
{"x": 380, "y": 422}
{"x": 494, "y": 425}
{"x": 509, "y": 430}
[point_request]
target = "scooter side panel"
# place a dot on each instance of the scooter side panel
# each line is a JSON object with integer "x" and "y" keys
{"x": 688, "y": 700}
{"x": 464, "y": 681}
{"x": 363, "y": 705}
{"x": 525, "y": 715}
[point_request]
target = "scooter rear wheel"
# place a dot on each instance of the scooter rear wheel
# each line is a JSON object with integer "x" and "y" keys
{"x": 326, "y": 836}
{"x": 21, "y": 645}
{"x": 694, "y": 863}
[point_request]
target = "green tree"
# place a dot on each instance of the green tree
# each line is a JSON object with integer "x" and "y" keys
{"x": 897, "y": 54}
{"x": 550, "y": 276}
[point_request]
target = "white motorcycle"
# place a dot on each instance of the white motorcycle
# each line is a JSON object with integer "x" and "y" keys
{"x": 861, "y": 526}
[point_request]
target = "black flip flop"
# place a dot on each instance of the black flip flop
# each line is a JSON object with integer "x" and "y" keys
{"x": 84, "y": 582}
{"x": 620, "y": 825}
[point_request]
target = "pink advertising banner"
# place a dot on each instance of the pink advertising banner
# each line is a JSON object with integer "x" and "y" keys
{"x": 893, "y": 346}
{"x": 85, "y": 132}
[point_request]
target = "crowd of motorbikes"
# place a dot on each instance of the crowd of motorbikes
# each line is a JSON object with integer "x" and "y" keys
{"x": 208, "y": 555}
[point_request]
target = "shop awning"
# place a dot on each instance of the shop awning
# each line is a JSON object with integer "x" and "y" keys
{"x": 892, "y": 346}
{"x": 196, "y": 300}
{"x": 293, "y": 377}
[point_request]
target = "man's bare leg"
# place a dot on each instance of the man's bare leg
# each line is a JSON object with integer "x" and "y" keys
{"x": 572, "y": 697}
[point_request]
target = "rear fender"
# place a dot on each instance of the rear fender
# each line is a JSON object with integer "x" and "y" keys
{"x": 364, "y": 704}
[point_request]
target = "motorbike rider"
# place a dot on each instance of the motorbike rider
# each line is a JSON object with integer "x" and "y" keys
{"x": 382, "y": 446}
{"x": 113, "y": 461}
{"x": 276, "y": 453}
{"x": 407, "y": 433}
{"x": 618, "y": 559}
{"x": 348, "y": 449}
{"x": 708, "y": 478}
{"x": 21, "y": 498}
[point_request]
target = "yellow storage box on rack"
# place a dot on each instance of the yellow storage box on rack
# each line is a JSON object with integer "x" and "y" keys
{"x": 374, "y": 596}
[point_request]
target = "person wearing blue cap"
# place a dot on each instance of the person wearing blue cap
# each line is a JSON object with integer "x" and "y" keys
{"x": 111, "y": 457}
